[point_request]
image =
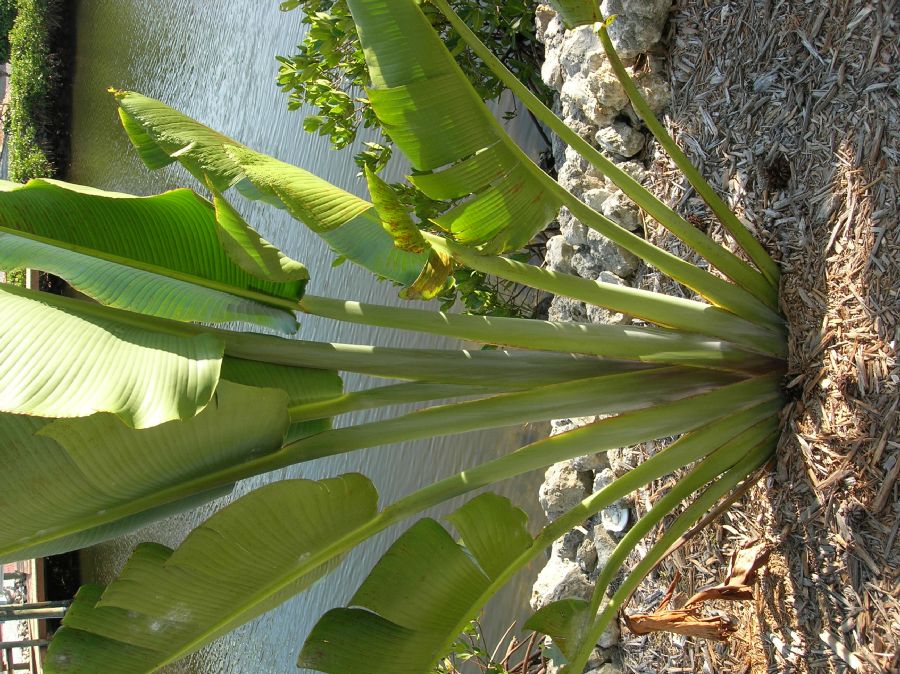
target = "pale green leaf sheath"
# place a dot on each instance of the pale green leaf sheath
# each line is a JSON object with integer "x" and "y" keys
{"x": 57, "y": 359}
{"x": 167, "y": 603}
{"x": 581, "y": 12}
{"x": 156, "y": 255}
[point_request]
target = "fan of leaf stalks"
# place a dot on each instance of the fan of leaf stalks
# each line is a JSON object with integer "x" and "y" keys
{"x": 126, "y": 409}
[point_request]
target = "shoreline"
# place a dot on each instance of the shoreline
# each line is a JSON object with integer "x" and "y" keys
{"x": 38, "y": 93}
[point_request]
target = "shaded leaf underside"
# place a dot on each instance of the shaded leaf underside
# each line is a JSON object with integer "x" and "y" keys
{"x": 157, "y": 255}
{"x": 62, "y": 362}
{"x": 420, "y": 593}
{"x": 166, "y": 603}
{"x": 348, "y": 224}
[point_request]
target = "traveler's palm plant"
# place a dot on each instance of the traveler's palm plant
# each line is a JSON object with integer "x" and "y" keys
{"x": 123, "y": 410}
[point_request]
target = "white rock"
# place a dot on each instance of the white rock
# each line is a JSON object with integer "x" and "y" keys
{"x": 622, "y": 211}
{"x": 638, "y": 25}
{"x": 574, "y": 232}
{"x": 601, "y": 315}
{"x": 595, "y": 198}
{"x": 581, "y": 51}
{"x": 607, "y": 89}
{"x": 586, "y": 556}
{"x": 566, "y": 546}
{"x": 654, "y": 89}
{"x": 544, "y": 19}
{"x": 619, "y": 138}
{"x": 558, "y": 254}
{"x": 558, "y": 426}
{"x": 611, "y": 635}
{"x": 551, "y": 72}
{"x": 607, "y": 256}
{"x": 613, "y": 518}
{"x": 563, "y": 488}
{"x": 567, "y": 310}
{"x": 560, "y": 579}
{"x": 590, "y": 462}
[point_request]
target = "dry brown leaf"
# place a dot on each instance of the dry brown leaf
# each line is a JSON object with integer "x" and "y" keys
{"x": 682, "y": 621}
{"x": 688, "y": 621}
{"x": 738, "y": 584}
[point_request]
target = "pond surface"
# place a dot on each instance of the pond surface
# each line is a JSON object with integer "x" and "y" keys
{"x": 215, "y": 62}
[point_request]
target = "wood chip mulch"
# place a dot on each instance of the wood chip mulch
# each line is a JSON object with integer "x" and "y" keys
{"x": 792, "y": 109}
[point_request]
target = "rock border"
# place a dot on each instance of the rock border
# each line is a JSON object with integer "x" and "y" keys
{"x": 593, "y": 103}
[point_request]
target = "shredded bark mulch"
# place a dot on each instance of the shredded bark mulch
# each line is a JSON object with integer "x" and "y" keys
{"x": 792, "y": 110}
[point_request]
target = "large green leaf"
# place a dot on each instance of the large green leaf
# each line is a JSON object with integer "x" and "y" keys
{"x": 168, "y": 603}
{"x": 59, "y": 359}
{"x": 420, "y": 594}
{"x": 348, "y": 224}
{"x": 303, "y": 386}
{"x": 577, "y": 12}
{"x": 75, "y": 479}
{"x": 162, "y": 255}
{"x": 436, "y": 117}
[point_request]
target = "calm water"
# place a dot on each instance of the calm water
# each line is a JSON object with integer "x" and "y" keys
{"x": 215, "y": 61}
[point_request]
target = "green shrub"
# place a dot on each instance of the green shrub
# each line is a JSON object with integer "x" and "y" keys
{"x": 7, "y": 17}
{"x": 26, "y": 123}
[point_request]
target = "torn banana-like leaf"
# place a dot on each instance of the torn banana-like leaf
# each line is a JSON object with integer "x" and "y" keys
{"x": 432, "y": 279}
{"x": 394, "y": 217}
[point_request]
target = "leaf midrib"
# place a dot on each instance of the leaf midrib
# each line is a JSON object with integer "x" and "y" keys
{"x": 244, "y": 293}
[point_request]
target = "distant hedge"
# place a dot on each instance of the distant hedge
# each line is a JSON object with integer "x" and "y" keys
{"x": 7, "y": 17}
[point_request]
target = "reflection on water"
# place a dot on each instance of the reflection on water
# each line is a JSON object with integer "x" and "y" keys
{"x": 215, "y": 61}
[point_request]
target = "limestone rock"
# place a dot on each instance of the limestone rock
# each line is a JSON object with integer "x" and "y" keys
{"x": 601, "y": 315}
{"x": 622, "y": 211}
{"x": 558, "y": 254}
{"x": 607, "y": 256}
{"x": 563, "y": 488}
{"x": 611, "y": 635}
{"x": 614, "y": 518}
{"x": 586, "y": 556}
{"x": 607, "y": 89}
{"x": 551, "y": 72}
{"x": 566, "y": 546}
{"x": 590, "y": 462}
{"x": 558, "y": 426}
{"x": 568, "y": 310}
{"x": 608, "y": 668}
{"x": 581, "y": 51}
{"x": 604, "y": 544}
{"x": 596, "y": 197}
{"x": 654, "y": 89}
{"x": 638, "y": 25}
{"x": 619, "y": 138}
{"x": 547, "y": 23}
{"x": 635, "y": 169}
{"x": 560, "y": 579}
{"x": 574, "y": 232}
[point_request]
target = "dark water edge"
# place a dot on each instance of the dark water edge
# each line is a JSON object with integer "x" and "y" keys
{"x": 51, "y": 116}
{"x": 57, "y": 127}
